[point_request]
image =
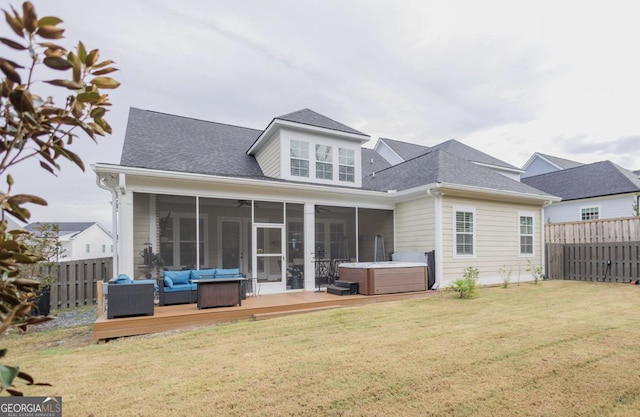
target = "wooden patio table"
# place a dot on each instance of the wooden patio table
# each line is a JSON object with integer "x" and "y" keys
{"x": 219, "y": 292}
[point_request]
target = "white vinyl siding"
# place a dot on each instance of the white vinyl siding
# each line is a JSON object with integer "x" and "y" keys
{"x": 497, "y": 241}
{"x": 609, "y": 207}
{"x": 415, "y": 225}
{"x": 269, "y": 158}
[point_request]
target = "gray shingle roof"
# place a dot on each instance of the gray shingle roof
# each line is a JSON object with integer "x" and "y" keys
{"x": 311, "y": 118}
{"x": 172, "y": 143}
{"x": 585, "y": 181}
{"x": 439, "y": 166}
{"x": 560, "y": 162}
{"x": 471, "y": 154}
{"x": 405, "y": 150}
{"x": 372, "y": 162}
{"x": 63, "y": 227}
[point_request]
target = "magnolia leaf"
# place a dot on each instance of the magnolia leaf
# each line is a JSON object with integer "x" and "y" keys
{"x": 98, "y": 112}
{"x": 50, "y": 32}
{"x": 92, "y": 57}
{"x": 82, "y": 51}
{"x": 10, "y": 71}
{"x": 54, "y": 52}
{"x": 103, "y": 64}
{"x": 19, "y": 199}
{"x": 14, "y": 23}
{"x": 30, "y": 19}
{"x": 71, "y": 85}
{"x": 105, "y": 82}
{"x": 7, "y": 375}
{"x": 96, "y": 128}
{"x": 47, "y": 167}
{"x": 13, "y": 44}
{"x": 21, "y": 101}
{"x": 74, "y": 60}
{"x": 90, "y": 97}
{"x": 49, "y": 21}
{"x": 57, "y": 63}
{"x": 51, "y": 45}
{"x": 104, "y": 125}
{"x": 104, "y": 71}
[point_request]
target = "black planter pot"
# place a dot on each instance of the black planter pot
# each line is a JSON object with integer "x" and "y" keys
{"x": 43, "y": 301}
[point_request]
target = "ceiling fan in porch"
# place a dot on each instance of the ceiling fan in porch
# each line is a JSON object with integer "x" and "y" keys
{"x": 247, "y": 203}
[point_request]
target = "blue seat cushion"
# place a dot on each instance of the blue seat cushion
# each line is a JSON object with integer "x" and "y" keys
{"x": 123, "y": 279}
{"x": 228, "y": 273}
{"x": 178, "y": 277}
{"x": 208, "y": 273}
{"x": 180, "y": 287}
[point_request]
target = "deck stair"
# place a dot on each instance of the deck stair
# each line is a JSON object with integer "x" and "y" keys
{"x": 343, "y": 288}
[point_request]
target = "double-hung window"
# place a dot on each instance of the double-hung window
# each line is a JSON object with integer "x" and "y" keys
{"x": 526, "y": 234}
{"x": 299, "y": 157}
{"x": 464, "y": 232}
{"x": 324, "y": 162}
{"x": 589, "y": 213}
{"x": 346, "y": 165}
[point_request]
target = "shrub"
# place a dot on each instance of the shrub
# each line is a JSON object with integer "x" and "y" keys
{"x": 466, "y": 287}
{"x": 505, "y": 273}
{"x": 536, "y": 271}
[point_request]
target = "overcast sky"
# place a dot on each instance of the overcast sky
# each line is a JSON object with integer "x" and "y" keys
{"x": 506, "y": 77}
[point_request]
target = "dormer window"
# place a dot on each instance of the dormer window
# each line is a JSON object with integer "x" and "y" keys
{"x": 346, "y": 165}
{"x": 324, "y": 162}
{"x": 299, "y": 153}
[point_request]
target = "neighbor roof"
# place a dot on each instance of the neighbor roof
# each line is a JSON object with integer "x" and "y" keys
{"x": 64, "y": 228}
{"x": 561, "y": 163}
{"x": 405, "y": 150}
{"x": 440, "y": 166}
{"x": 311, "y": 118}
{"x": 173, "y": 143}
{"x": 585, "y": 181}
{"x": 471, "y": 154}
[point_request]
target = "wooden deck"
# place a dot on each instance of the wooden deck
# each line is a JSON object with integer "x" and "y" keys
{"x": 257, "y": 308}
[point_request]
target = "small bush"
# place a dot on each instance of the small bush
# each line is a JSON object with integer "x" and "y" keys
{"x": 536, "y": 271}
{"x": 505, "y": 273}
{"x": 466, "y": 287}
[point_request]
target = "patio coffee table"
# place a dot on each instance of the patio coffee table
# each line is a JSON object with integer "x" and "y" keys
{"x": 220, "y": 292}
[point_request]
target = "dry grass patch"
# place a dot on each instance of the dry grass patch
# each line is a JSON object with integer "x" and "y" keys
{"x": 556, "y": 348}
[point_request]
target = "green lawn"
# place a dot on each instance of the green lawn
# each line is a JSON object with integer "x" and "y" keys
{"x": 558, "y": 348}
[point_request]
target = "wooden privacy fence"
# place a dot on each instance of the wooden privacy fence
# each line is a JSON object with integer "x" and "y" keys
{"x": 77, "y": 280}
{"x": 598, "y": 250}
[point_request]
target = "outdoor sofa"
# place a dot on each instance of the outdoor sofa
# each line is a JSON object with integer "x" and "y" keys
{"x": 178, "y": 287}
{"x": 127, "y": 297}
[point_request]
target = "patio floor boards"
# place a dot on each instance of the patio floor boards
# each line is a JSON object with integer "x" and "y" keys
{"x": 259, "y": 307}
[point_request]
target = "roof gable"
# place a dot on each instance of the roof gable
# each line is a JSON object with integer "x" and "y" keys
{"x": 311, "y": 118}
{"x": 586, "y": 181}
{"x": 405, "y": 150}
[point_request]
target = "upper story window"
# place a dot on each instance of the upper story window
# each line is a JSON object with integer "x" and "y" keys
{"x": 324, "y": 162}
{"x": 87, "y": 248}
{"x": 104, "y": 248}
{"x": 526, "y": 235}
{"x": 346, "y": 165}
{"x": 299, "y": 154}
{"x": 590, "y": 213}
{"x": 465, "y": 233}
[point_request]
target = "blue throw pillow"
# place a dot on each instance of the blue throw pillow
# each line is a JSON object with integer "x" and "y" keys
{"x": 168, "y": 282}
{"x": 123, "y": 279}
{"x": 178, "y": 277}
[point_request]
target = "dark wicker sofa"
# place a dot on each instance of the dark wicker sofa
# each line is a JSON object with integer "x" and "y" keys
{"x": 131, "y": 299}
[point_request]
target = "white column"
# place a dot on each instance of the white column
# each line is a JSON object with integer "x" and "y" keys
{"x": 309, "y": 246}
{"x": 437, "y": 206}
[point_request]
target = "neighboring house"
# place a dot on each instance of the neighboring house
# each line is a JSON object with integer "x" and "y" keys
{"x": 540, "y": 163}
{"x": 637, "y": 173}
{"x": 273, "y": 201}
{"x": 81, "y": 240}
{"x": 396, "y": 151}
{"x": 601, "y": 190}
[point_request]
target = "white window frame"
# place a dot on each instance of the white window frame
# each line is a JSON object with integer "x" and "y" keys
{"x": 343, "y": 163}
{"x": 532, "y": 234}
{"x": 322, "y": 165}
{"x": 301, "y": 144}
{"x": 584, "y": 208}
{"x": 87, "y": 248}
{"x": 464, "y": 209}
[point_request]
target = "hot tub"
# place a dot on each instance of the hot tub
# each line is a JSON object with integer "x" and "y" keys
{"x": 386, "y": 277}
